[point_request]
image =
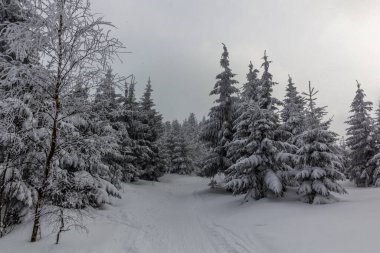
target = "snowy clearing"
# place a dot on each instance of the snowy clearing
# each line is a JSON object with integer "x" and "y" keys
{"x": 180, "y": 215}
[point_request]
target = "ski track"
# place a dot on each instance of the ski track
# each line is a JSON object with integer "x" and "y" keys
{"x": 181, "y": 214}
{"x": 176, "y": 215}
{"x": 184, "y": 227}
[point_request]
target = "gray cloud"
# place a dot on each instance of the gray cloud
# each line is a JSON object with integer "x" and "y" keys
{"x": 177, "y": 43}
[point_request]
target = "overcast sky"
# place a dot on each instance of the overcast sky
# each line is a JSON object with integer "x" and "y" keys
{"x": 332, "y": 43}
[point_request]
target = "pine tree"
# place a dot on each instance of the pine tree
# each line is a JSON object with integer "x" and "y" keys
{"x": 217, "y": 132}
{"x": 319, "y": 162}
{"x": 360, "y": 139}
{"x": 105, "y": 96}
{"x": 165, "y": 144}
{"x": 374, "y": 162}
{"x": 147, "y": 103}
{"x": 136, "y": 152}
{"x": 292, "y": 114}
{"x": 251, "y": 87}
{"x": 179, "y": 151}
{"x": 150, "y": 129}
{"x": 197, "y": 149}
{"x": 250, "y": 95}
{"x": 257, "y": 172}
{"x": 131, "y": 99}
{"x": 16, "y": 194}
{"x": 170, "y": 143}
{"x": 293, "y": 124}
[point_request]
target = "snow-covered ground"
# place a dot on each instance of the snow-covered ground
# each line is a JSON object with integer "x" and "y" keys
{"x": 180, "y": 215}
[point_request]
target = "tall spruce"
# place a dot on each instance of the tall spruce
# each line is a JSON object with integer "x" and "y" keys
{"x": 250, "y": 94}
{"x": 250, "y": 88}
{"x": 319, "y": 161}
{"x": 258, "y": 171}
{"x": 293, "y": 112}
{"x": 218, "y": 130}
{"x": 374, "y": 162}
{"x": 360, "y": 140}
{"x": 150, "y": 129}
{"x": 179, "y": 151}
{"x": 197, "y": 149}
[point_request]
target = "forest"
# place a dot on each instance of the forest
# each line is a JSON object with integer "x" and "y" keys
{"x": 73, "y": 132}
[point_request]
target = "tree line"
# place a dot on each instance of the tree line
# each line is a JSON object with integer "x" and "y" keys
{"x": 264, "y": 145}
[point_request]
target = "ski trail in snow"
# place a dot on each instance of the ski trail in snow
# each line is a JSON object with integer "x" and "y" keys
{"x": 181, "y": 215}
{"x": 173, "y": 220}
{"x": 177, "y": 215}
{"x": 222, "y": 238}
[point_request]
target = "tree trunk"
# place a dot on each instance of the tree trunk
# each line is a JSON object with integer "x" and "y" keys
{"x": 62, "y": 226}
{"x": 54, "y": 134}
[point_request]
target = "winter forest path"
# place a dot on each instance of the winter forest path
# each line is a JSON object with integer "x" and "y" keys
{"x": 178, "y": 219}
{"x": 180, "y": 214}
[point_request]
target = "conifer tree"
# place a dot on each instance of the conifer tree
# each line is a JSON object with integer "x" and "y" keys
{"x": 292, "y": 114}
{"x": 251, "y": 87}
{"x": 197, "y": 149}
{"x": 257, "y": 172}
{"x": 374, "y": 162}
{"x": 217, "y": 132}
{"x": 250, "y": 95}
{"x": 179, "y": 151}
{"x": 123, "y": 122}
{"x": 319, "y": 162}
{"x": 166, "y": 146}
{"x": 16, "y": 116}
{"x": 359, "y": 139}
{"x": 293, "y": 124}
{"x": 105, "y": 97}
{"x": 131, "y": 99}
{"x": 171, "y": 142}
{"x": 151, "y": 163}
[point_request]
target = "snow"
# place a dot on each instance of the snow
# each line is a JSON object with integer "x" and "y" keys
{"x": 181, "y": 214}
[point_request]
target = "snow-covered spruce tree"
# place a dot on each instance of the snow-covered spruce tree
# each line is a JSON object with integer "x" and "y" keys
{"x": 359, "y": 139}
{"x": 374, "y": 162}
{"x": 179, "y": 151}
{"x": 164, "y": 146}
{"x": 258, "y": 170}
{"x": 197, "y": 149}
{"x": 82, "y": 175}
{"x": 293, "y": 113}
{"x": 150, "y": 161}
{"x": 293, "y": 124}
{"x": 250, "y": 94}
{"x": 251, "y": 87}
{"x": 171, "y": 142}
{"x": 16, "y": 195}
{"x": 137, "y": 151}
{"x": 217, "y": 131}
{"x": 190, "y": 127}
{"x": 319, "y": 162}
{"x": 118, "y": 113}
{"x": 105, "y": 95}
{"x": 74, "y": 47}
{"x": 182, "y": 164}
{"x": 132, "y": 114}
{"x": 126, "y": 115}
